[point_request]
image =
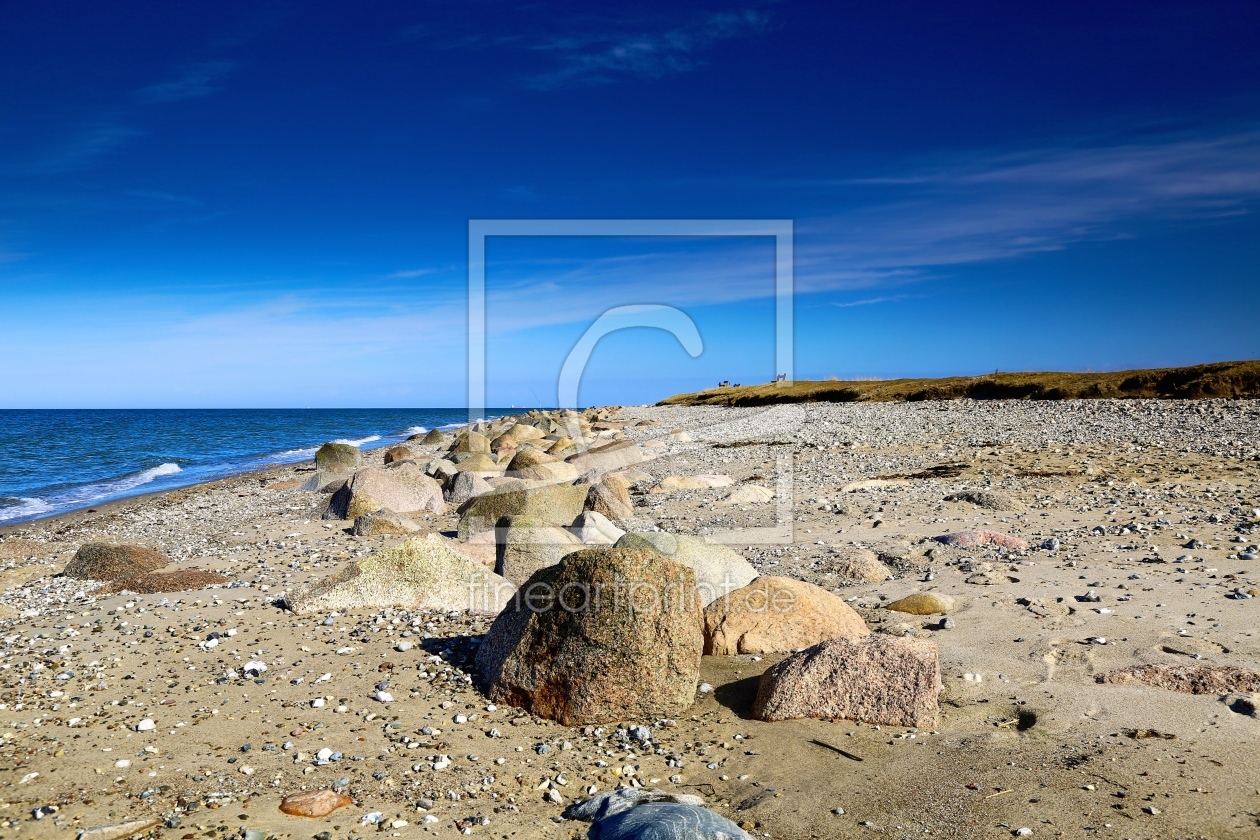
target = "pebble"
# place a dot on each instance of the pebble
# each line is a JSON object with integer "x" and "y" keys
{"x": 146, "y": 725}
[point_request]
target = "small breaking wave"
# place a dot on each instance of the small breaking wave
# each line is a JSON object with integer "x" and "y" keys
{"x": 26, "y": 508}
{"x": 360, "y": 441}
{"x": 92, "y": 492}
{"x": 23, "y": 508}
{"x": 295, "y": 454}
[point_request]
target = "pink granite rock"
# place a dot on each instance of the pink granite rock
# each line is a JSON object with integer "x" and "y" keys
{"x": 982, "y": 536}
{"x": 874, "y": 679}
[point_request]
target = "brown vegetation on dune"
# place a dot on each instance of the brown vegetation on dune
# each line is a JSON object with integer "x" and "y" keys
{"x": 1232, "y": 380}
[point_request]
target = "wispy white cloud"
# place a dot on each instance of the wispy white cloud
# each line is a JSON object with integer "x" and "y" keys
{"x": 194, "y": 81}
{"x": 987, "y": 206}
{"x": 594, "y": 58}
{"x": 869, "y": 301}
{"x": 82, "y": 147}
{"x": 165, "y": 197}
{"x": 410, "y": 272}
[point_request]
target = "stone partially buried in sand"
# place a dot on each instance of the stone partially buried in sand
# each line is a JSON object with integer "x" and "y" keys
{"x": 184, "y": 580}
{"x": 877, "y": 679}
{"x": 314, "y": 803}
{"x": 718, "y": 569}
{"x": 109, "y": 561}
{"x": 777, "y": 615}
{"x": 423, "y": 573}
{"x": 673, "y": 483}
{"x": 922, "y": 603}
{"x": 858, "y": 564}
{"x": 607, "y": 635}
{"x": 987, "y": 499}
{"x": 980, "y": 537}
{"x": 402, "y": 487}
{"x": 1190, "y": 679}
{"x": 749, "y": 494}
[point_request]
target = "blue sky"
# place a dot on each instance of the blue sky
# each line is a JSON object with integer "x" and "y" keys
{"x": 266, "y": 204}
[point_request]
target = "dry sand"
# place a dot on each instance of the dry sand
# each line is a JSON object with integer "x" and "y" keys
{"x": 1027, "y": 736}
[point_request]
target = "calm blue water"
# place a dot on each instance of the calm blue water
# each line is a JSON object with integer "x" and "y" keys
{"x": 54, "y": 461}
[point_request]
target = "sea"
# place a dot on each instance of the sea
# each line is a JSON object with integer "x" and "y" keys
{"x": 53, "y": 461}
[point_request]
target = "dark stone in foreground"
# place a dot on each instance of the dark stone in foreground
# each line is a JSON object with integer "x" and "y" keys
{"x": 606, "y": 635}
{"x": 638, "y": 814}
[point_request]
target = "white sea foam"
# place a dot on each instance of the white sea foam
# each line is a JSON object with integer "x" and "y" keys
{"x": 86, "y": 494}
{"x": 25, "y": 508}
{"x": 295, "y": 454}
{"x": 414, "y": 430}
{"x": 360, "y": 441}
{"x": 91, "y": 492}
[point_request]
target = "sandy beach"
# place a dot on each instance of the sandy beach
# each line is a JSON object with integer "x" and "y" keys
{"x": 1140, "y": 521}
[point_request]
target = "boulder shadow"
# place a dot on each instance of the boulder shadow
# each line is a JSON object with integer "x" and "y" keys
{"x": 738, "y": 696}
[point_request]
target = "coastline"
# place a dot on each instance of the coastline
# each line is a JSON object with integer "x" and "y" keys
{"x": 208, "y": 464}
{"x": 1106, "y": 494}
{"x": 112, "y": 507}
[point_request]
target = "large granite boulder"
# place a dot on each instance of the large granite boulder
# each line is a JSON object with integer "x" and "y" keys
{"x": 718, "y": 569}
{"x": 609, "y": 457}
{"x": 606, "y": 635}
{"x": 398, "y": 453}
{"x": 523, "y": 432}
{"x": 555, "y": 504}
{"x": 464, "y": 486}
{"x": 473, "y": 442}
{"x": 109, "y": 561}
{"x": 478, "y": 463}
{"x": 526, "y": 544}
{"x": 423, "y": 573}
{"x": 433, "y": 437}
{"x": 879, "y": 679}
{"x": 530, "y": 456}
{"x": 777, "y": 615}
{"x": 338, "y": 458}
{"x": 402, "y": 487}
{"x": 609, "y": 497}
